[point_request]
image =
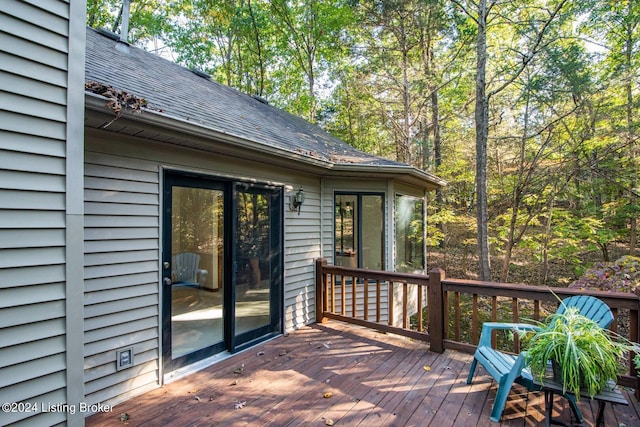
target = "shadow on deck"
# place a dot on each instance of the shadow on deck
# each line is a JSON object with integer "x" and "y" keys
{"x": 368, "y": 378}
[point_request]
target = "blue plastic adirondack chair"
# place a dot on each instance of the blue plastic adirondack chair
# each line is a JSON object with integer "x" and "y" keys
{"x": 508, "y": 368}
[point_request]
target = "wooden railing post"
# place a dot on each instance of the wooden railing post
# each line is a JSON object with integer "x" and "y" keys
{"x": 320, "y": 263}
{"x": 436, "y": 310}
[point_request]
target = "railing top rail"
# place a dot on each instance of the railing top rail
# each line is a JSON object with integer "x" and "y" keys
{"x": 376, "y": 274}
{"x": 543, "y": 293}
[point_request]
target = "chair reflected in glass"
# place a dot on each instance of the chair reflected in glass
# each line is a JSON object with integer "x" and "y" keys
{"x": 186, "y": 270}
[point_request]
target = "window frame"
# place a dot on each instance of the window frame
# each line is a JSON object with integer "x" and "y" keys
{"x": 358, "y": 230}
{"x": 397, "y": 260}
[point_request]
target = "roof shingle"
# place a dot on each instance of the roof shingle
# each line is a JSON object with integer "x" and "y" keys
{"x": 178, "y": 92}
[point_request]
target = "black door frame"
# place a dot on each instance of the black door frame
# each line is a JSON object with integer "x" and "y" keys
{"x": 230, "y": 342}
{"x": 359, "y": 218}
{"x": 276, "y": 324}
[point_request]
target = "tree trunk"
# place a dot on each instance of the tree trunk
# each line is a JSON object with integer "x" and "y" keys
{"x": 630, "y": 127}
{"x": 482, "y": 131}
{"x": 545, "y": 248}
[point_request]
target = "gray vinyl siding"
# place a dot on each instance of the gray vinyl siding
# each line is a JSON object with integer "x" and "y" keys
{"x": 123, "y": 244}
{"x": 331, "y": 186}
{"x": 302, "y": 247}
{"x": 121, "y": 274}
{"x": 33, "y": 117}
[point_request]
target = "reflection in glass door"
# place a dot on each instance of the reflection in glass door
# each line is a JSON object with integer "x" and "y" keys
{"x": 359, "y": 230}
{"x": 222, "y": 270}
{"x": 197, "y": 249}
{"x": 257, "y": 292}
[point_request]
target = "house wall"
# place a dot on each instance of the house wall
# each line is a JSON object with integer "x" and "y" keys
{"x": 333, "y": 185}
{"x": 412, "y": 303}
{"x": 330, "y": 187}
{"x": 390, "y": 189}
{"x": 41, "y": 87}
{"x": 123, "y": 185}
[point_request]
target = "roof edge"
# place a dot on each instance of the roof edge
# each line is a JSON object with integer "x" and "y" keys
{"x": 156, "y": 118}
{"x": 435, "y": 181}
{"x": 151, "y": 117}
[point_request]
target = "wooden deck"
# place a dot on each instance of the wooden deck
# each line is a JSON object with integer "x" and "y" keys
{"x": 345, "y": 375}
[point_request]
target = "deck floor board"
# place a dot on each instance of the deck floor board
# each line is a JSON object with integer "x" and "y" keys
{"x": 374, "y": 379}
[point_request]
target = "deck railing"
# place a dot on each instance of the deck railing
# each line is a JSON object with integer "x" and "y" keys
{"x": 448, "y": 313}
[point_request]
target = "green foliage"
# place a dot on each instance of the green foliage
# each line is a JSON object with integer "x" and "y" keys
{"x": 587, "y": 354}
{"x": 397, "y": 79}
{"x": 437, "y": 222}
{"x": 147, "y": 21}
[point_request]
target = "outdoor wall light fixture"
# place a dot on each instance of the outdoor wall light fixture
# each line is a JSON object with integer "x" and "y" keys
{"x": 296, "y": 200}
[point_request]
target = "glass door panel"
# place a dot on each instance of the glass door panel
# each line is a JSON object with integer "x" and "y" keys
{"x": 346, "y": 230}
{"x": 197, "y": 248}
{"x": 252, "y": 282}
{"x": 222, "y": 272}
{"x": 257, "y": 272}
{"x": 372, "y": 232}
{"x": 359, "y": 230}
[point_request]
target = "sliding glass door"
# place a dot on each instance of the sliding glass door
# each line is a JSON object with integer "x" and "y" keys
{"x": 359, "y": 230}
{"x": 257, "y": 262}
{"x": 222, "y": 278}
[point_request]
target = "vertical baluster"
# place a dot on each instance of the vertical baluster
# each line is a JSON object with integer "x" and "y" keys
{"x": 366, "y": 299}
{"x": 494, "y": 318}
{"x": 456, "y": 326}
{"x": 419, "y": 288}
{"x": 343, "y": 295}
{"x": 390, "y": 320}
{"x": 378, "y": 300}
{"x": 614, "y": 324}
{"x": 474, "y": 320}
{"x": 445, "y": 308}
{"x": 354, "y": 297}
{"x": 405, "y": 305}
{"x": 326, "y": 287}
{"x": 333, "y": 293}
{"x": 516, "y": 319}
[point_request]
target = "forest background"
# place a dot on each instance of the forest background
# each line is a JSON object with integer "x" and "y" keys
{"x": 527, "y": 108}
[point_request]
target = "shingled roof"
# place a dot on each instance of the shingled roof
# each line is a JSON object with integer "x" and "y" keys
{"x": 178, "y": 92}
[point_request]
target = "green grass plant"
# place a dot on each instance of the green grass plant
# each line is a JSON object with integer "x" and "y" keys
{"x": 587, "y": 354}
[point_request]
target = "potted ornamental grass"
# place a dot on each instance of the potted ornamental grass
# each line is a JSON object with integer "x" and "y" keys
{"x": 584, "y": 356}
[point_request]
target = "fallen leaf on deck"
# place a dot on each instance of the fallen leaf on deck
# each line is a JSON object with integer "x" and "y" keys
{"x": 328, "y": 422}
{"x": 327, "y": 394}
{"x": 427, "y": 368}
{"x": 124, "y": 416}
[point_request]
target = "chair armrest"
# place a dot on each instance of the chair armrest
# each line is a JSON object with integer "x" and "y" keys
{"x": 489, "y": 327}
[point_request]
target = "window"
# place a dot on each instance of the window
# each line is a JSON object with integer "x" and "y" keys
{"x": 359, "y": 230}
{"x": 410, "y": 250}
